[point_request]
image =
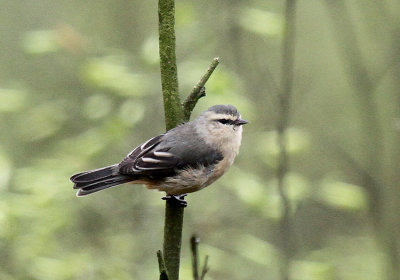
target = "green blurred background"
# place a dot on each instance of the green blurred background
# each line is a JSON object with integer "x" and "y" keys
{"x": 80, "y": 87}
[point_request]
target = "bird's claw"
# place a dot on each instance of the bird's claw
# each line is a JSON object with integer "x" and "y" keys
{"x": 179, "y": 199}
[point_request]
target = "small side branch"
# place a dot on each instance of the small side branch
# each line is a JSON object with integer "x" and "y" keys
{"x": 161, "y": 266}
{"x": 205, "y": 268}
{"x": 198, "y": 90}
{"x": 194, "y": 243}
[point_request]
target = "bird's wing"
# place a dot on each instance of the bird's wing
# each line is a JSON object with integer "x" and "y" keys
{"x": 162, "y": 156}
{"x": 149, "y": 159}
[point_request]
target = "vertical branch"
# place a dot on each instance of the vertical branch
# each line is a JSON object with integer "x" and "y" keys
{"x": 194, "y": 243}
{"x": 173, "y": 238}
{"x": 173, "y": 116}
{"x": 169, "y": 73}
{"x": 282, "y": 124}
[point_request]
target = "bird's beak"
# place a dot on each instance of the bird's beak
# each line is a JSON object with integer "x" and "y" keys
{"x": 240, "y": 122}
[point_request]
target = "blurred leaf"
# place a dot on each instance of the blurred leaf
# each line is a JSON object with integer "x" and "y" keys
{"x": 297, "y": 189}
{"x": 368, "y": 262}
{"x": 343, "y": 195}
{"x": 40, "y": 42}
{"x": 249, "y": 189}
{"x": 113, "y": 73}
{"x": 42, "y": 121}
{"x": 132, "y": 112}
{"x": 5, "y": 170}
{"x": 310, "y": 270}
{"x": 255, "y": 249}
{"x": 261, "y": 22}
{"x": 85, "y": 144}
{"x": 5, "y": 227}
{"x": 47, "y": 184}
{"x": 350, "y": 260}
{"x": 12, "y": 99}
{"x": 228, "y": 263}
{"x": 297, "y": 141}
{"x": 396, "y": 124}
{"x": 66, "y": 268}
{"x": 5, "y": 276}
{"x": 297, "y": 186}
{"x": 150, "y": 50}
{"x": 263, "y": 196}
{"x": 185, "y": 14}
{"x": 98, "y": 106}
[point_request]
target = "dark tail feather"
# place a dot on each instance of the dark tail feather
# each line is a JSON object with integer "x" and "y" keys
{"x": 96, "y": 180}
{"x": 96, "y": 174}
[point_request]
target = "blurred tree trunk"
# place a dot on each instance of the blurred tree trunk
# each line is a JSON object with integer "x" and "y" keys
{"x": 284, "y": 98}
{"x": 371, "y": 132}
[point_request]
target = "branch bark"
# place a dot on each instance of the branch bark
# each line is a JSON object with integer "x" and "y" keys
{"x": 194, "y": 244}
{"x": 169, "y": 72}
{"x": 198, "y": 90}
{"x": 173, "y": 116}
{"x": 161, "y": 266}
{"x": 205, "y": 268}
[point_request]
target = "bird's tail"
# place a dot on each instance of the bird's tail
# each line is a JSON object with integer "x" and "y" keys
{"x": 96, "y": 180}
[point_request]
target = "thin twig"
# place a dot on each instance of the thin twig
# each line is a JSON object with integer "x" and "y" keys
{"x": 197, "y": 91}
{"x": 205, "y": 268}
{"x": 194, "y": 242}
{"x": 161, "y": 266}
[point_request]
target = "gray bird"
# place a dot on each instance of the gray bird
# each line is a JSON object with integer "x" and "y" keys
{"x": 185, "y": 159}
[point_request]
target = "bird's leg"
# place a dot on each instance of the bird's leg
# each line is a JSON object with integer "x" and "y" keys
{"x": 180, "y": 199}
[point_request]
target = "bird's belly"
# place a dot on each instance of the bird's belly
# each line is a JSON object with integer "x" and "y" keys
{"x": 191, "y": 179}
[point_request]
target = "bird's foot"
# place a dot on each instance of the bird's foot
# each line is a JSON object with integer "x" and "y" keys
{"x": 180, "y": 199}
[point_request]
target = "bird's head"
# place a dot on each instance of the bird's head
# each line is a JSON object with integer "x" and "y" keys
{"x": 221, "y": 121}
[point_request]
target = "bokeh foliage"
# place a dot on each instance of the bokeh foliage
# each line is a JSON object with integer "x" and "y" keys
{"x": 80, "y": 87}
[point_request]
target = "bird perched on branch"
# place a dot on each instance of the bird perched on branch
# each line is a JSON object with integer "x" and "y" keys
{"x": 185, "y": 159}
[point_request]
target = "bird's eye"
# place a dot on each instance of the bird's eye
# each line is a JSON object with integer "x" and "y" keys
{"x": 225, "y": 121}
